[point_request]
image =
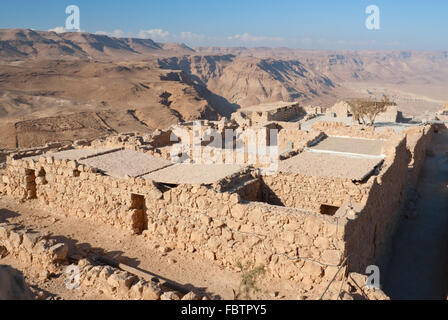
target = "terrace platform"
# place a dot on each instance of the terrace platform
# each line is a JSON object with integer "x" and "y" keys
{"x": 193, "y": 173}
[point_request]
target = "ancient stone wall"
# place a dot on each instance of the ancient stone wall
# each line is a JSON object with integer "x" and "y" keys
{"x": 50, "y": 256}
{"x": 285, "y": 113}
{"x": 291, "y": 243}
{"x": 390, "y": 115}
{"x": 418, "y": 140}
{"x": 292, "y": 139}
{"x": 368, "y": 235}
{"x": 32, "y": 247}
{"x": 77, "y": 189}
{"x": 358, "y": 131}
{"x": 218, "y": 225}
{"x": 307, "y": 192}
{"x": 295, "y": 242}
{"x": 30, "y": 152}
{"x": 341, "y": 109}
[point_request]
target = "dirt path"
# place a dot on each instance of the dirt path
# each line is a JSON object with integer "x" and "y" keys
{"x": 187, "y": 269}
{"x": 418, "y": 267}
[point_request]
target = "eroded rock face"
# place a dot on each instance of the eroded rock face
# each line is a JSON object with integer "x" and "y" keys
{"x": 13, "y": 287}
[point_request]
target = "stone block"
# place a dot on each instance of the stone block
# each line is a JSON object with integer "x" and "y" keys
{"x": 16, "y": 237}
{"x": 30, "y": 239}
{"x": 150, "y": 291}
{"x": 333, "y": 257}
{"x": 58, "y": 252}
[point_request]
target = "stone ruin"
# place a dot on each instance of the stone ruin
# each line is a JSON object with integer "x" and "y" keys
{"x": 342, "y": 110}
{"x": 335, "y": 199}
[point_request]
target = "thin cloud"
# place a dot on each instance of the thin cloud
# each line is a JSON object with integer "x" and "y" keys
{"x": 154, "y": 34}
{"x": 58, "y": 30}
{"x": 116, "y": 33}
{"x": 246, "y": 37}
{"x": 186, "y": 35}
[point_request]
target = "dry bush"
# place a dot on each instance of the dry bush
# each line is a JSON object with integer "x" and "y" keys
{"x": 364, "y": 108}
{"x": 249, "y": 278}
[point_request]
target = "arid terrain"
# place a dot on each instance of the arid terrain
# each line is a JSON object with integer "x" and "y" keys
{"x": 78, "y": 85}
{"x": 91, "y": 181}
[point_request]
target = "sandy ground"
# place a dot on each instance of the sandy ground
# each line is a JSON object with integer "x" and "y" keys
{"x": 187, "y": 269}
{"x": 329, "y": 165}
{"x": 418, "y": 267}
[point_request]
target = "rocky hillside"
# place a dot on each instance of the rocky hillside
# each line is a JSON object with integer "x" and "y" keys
{"x": 131, "y": 84}
{"x": 19, "y": 44}
{"x": 245, "y": 81}
{"x": 389, "y": 66}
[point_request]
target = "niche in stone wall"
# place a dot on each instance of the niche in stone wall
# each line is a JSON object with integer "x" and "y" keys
{"x": 257, "y": 191}
{"x": 138, "y": 213}
{"x": 328, "y": 210}
{"x": 30, "y": 184}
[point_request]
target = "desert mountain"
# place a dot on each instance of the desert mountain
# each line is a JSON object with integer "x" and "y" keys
{"x": 132, "y": 84}
{"x": 246, "y": 81}
{"x": 29, "y": 44}
{"x": 354, "y": 65}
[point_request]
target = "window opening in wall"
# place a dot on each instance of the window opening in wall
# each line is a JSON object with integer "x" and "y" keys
{"x": 30, "y": 185}
{"x": 138, "y": 212}
{"x": 164, "y": 187}
{"x": 328, "y": 210}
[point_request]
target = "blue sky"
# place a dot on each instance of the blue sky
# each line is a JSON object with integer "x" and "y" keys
{"x": 311, "y": 24}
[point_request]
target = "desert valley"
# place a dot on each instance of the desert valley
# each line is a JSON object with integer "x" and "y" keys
{"x": 78, "y": 85}
{"x": 91, "y": 191}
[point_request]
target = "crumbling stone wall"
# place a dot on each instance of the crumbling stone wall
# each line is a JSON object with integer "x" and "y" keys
{"x": 308, "y": 192}
{"x": 32, "y": 247}
{"x": 359, "y": 131}
{"x": 292, "y": 139}
{"x": 390, "y": 115}
{"x": 285, "y": 113}
{"x": 217, "y": 223}
{"x": 341, "y": 109}
{"x": 418, "y": 140}
{"x": 50, "y": 256}
{"x": 368, "y": 233}
{"x": 30, "y": 152}
{"x": 291, "y": 243}
{"x": 79, "y": 190}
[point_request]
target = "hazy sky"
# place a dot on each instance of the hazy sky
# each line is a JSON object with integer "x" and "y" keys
{"x": 311, "y": 24}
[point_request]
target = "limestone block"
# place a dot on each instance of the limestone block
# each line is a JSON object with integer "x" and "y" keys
{"x": 150, "y": 291}
{"x": 136, "y": 291}
{"x": 255, "y": 216}
{"x": 58, "y": 252}
{"x": 312, "y": 269}
{"x": 16, "y": 237}
{"x": 333, "y": 257}
{"x": 190, "y": 296}
{"x": 171, "y": 295}
{"x": 289, "y": 237}
{"x": 238, "y": 211}
{"x": 214, "y": 243}
{"x": 5, "y": 230}
{"x": 322, "y": 242}
{"x": 30, "y": 239}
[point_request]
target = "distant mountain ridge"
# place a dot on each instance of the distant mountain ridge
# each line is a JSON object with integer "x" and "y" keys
{"x": 30, "y": 44}
{"x": 139, "y": 83}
